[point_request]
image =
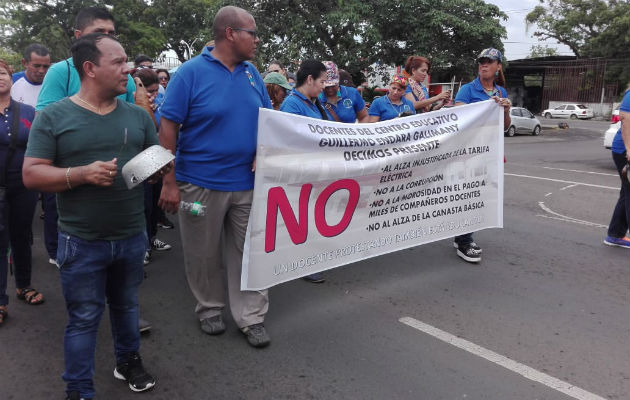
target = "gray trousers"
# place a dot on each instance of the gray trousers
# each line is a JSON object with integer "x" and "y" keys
{"x": 212, "y": 244}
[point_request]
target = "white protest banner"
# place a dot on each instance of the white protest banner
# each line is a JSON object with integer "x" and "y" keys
{"x": 329, "y": 194}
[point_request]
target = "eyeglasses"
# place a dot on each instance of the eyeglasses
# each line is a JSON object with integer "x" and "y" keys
{"x": 274, "y": 70}
{"x": 163, "y": 78}
{"x": 253, "y": 33}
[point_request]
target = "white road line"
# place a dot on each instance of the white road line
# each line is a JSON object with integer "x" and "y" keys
{"x": 574, "y": 221}
{"x": 582, "y": 172}
{"x": 562, "y": 181}
{"x": 567, "y": 218}
{"x": 521, "y": 369}
{"x": 568, "y": 187}
{"x": 548, "y": 194}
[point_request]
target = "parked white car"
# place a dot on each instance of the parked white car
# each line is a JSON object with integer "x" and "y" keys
{"x": 570, "y": 110}
{"x": 610, "y": 133}
{"x": 523, "y": 121}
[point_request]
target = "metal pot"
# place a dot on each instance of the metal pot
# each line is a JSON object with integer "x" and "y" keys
{"x": 145, "y": 164}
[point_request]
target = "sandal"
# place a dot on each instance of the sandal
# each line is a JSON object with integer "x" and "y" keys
{"x": 29, "y": 295}
{"x": 4, "y": 314}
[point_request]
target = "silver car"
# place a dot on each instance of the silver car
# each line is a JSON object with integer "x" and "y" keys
{"x": 523, "y": 121}
{"x": 572, "y": 110}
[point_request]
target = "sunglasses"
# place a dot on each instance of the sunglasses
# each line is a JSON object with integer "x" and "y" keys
{"x": 252, "y": 33}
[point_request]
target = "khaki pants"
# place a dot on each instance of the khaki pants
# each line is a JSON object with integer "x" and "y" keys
{"x": 214, "y": 241}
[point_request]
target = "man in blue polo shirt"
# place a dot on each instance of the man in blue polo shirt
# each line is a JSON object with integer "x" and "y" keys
{"x": 215, "y": 98}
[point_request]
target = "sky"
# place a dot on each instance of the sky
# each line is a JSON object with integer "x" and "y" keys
{"x": 520, "y": 39}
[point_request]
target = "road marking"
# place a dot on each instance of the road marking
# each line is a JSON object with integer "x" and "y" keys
{"x": 563, "y": 181}
{"x": 567, "y": 218}
{"x": 514, "y": 366}
{"x": 582, "y": 172}
{"x": 548, "y": 194}
{"x": 568, "y": 187}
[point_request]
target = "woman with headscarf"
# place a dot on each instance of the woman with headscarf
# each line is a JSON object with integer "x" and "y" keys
{"x": 488, "y": 85}
{"x": 392, "y": 105}
{"x": 17, "y": 204}
{"x": 417, "y": 68}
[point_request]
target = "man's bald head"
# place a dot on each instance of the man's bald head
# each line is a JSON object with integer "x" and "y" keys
{"x": 228, "y": 16}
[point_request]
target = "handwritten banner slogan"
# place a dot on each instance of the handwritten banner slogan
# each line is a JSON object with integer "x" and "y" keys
{"x": 329, "y": 194}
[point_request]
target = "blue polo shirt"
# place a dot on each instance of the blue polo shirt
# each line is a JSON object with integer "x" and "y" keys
{"x": 424, "y": 90}
{"x": 218, "y": 112}
{"x": 473, "y": 92}
{"x": 297, "y": 103}
{"x": 62, "y": 80}
{"x": 385, "y": 109}
{"x": 349, "y": 104}
{"x": 617, "y": 144}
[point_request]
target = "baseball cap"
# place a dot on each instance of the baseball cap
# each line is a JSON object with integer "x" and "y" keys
{"x": 332, "y": 74}
{"x": 490, "y": 53}
{"x": 278, "y": 79}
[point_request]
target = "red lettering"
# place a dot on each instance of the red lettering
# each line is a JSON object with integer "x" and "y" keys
{"x": 277, "y": 200}
{"x": 354, "y": 189}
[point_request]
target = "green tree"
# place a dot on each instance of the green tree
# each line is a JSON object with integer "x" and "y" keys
{"x": 539, "y": 50}
{"x": 186, "y": 24}
{"x": 51, "y": 23}
{"x": 591, "y": 28}
{"x": 356, "y": 34}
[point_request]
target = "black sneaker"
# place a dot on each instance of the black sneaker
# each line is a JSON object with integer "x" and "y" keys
{"x": 133, "y": 372}
{"x": 76, "y": 396}
{"x": 165, "y": 223}
{"x": 472, "y": 244}
{"x": 469, "y": 253}
{"x": 317, "y": 277}
{"x": 213, "y": 325}
{"x": 256, "y": 335}
{"x": 159, "y": 245}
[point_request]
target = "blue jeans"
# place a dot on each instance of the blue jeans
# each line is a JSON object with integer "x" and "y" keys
{"x": 621, "y": 215}
{"x": 465, "y": 239}
{"x": 91, "y": 272}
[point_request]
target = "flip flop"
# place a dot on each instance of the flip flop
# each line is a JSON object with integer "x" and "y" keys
{"x": 29, "y": 295}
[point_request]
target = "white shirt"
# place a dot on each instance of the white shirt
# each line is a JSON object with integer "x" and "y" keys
{"x": 25, "y": 91}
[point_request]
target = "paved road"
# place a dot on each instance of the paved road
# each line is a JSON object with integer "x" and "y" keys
{"x": 548, "y": 295}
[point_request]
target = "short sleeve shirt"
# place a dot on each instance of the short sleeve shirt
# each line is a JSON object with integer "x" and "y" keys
{"x": 24, "y": 90}
{"x": 473, "y": 92}
{"x": 349, "y": 104}
{"x": 424, "y": 90}
{"x": 383, "y": 108}
{"x": 297, "y": 103}
{"x": 618, "y": 145}
{"x": 71, "y": 136}
{"x": 218, "y": 112}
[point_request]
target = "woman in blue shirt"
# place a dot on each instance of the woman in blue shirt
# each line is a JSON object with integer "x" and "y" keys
{"x": 620, "y": 221}
{"x": 343, "y": 104}
{"x": 487, "y": 85}
{"x": 17, "y": 204}
{"x": 392, "y": 105}
{"x": 303, "y": 101}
